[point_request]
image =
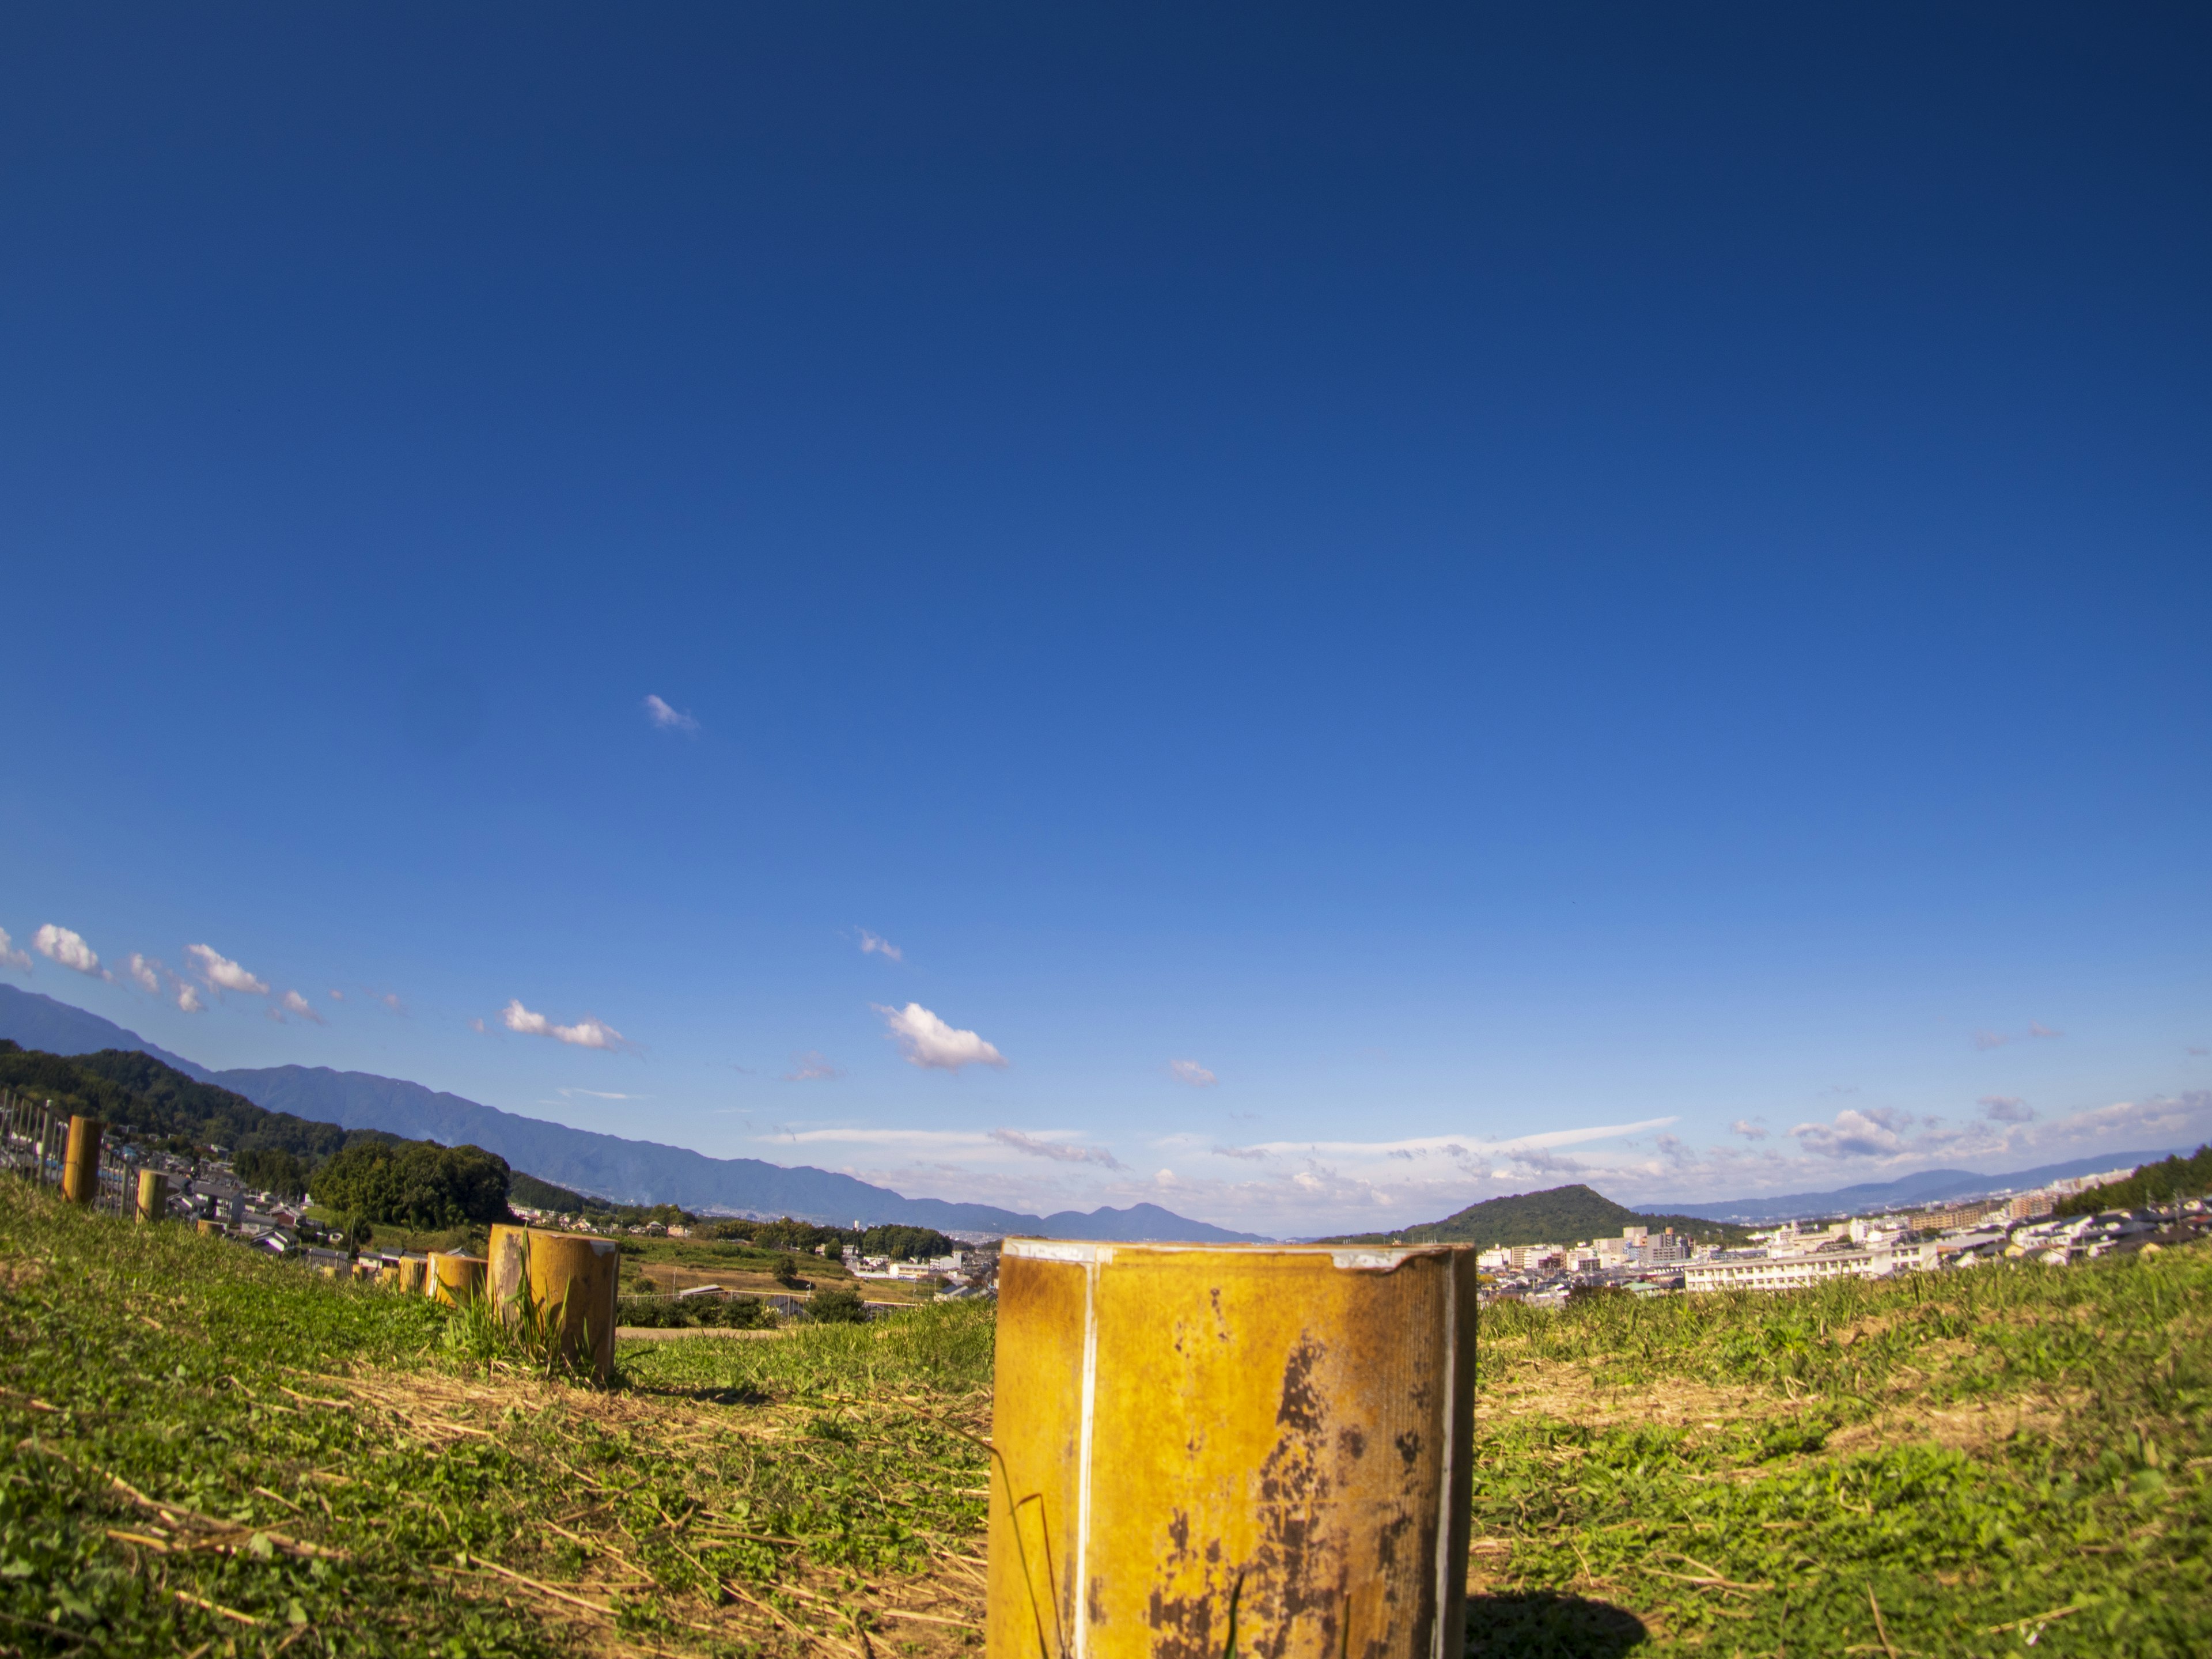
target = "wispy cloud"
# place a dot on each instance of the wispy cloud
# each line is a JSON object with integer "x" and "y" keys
{"x": 337, "y": 995}
{"x": 1190, "y": 1072}
{"x": 145, "y": 974}
{"x": 1990, "y": 1040}
{"x": 2192, "y": 1048}
{"x": 475, "y": 1024}
{"x": 1468, "y": 1145}
{"x": 1748, "y": 1129}
{"x": 188, "y": 998}
{"x": 585, "y": 1033}
{"x": 929, "y": 1042}
{"x": 2036, "y": 1027}
{"x": 67, "y": 947}
{"x": 1060, "y": 1150}
{"x": 667, "y": 719}
{"x": 11, "y": 956}
{"x": 2006, "y": 1108}
{"x": 295, "y": 1004}
{"x": 811, "y": 1067}
{"x": 391, "y": 999}
{"x": 877, "y": 945}
{"x": 221, "y": 974}
{"x": 599, "y": 1094}
{"x": 1250, "y": 1154}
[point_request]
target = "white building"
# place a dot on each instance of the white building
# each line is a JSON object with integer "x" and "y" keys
{"x": 1795, "y": 1272}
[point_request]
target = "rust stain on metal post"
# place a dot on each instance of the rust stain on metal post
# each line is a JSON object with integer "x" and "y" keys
{"x": 1200, "y": 1444}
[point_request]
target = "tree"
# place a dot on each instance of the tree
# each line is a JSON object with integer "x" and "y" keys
{"x": 839, "y": 1307}
{"x": 417, "y": 1184}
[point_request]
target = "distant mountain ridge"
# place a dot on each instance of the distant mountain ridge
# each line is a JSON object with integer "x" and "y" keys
{"x": 607, "y": 1166}
{"x": 1927, "y": 1187}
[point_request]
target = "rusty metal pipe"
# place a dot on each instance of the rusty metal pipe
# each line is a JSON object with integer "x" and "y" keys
{"x": 1201, "y": 1446}
{"x": 80, "y": 1162}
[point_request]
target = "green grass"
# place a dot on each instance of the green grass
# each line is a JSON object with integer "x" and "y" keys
{"x": 316, "y": 1456}
{"x": 1988, "y": 1458}
{"x": 1982, "y": 1456}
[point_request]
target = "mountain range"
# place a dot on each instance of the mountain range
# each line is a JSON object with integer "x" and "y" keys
{"x": 1928, "y": 1186}
{"x": 606, "y": 1166}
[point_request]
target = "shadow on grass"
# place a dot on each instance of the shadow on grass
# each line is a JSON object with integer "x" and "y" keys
{"x": 1547, "y": 1624}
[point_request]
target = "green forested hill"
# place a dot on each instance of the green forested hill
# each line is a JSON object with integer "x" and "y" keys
{"x": 2153, "y": 1183}
{"x": 1560, "y": 1215}
{"x": 140, "y": 1098}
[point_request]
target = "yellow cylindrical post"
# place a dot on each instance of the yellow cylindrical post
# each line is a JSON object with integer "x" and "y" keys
{"x": 507, "y": 1268}
{"x": 387, "y": 1277}
{"x": 207, "y": 1229}
{"x": 413, "y": 1270}
{"x": 80, "y": 1162}
{"x": 572, "y": 1284}
{"x": 153, "y": 1196}
{"x": 1201, "y": 1444}
{"x": 455, "y": 1279}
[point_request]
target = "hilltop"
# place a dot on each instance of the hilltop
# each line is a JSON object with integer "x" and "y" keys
{"x": 1560, "y": 1215}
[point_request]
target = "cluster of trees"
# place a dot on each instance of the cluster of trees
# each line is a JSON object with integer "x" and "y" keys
{"x": 1561, "y": 1215}
{"x": 417, "y": 1184}
{"x": 899, "y": 1243}
{"x": 2153, "y": 1183}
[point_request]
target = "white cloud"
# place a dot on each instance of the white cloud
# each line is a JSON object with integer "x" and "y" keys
{"x": 476, "y": 1024}
{"x": 1748, "y": 1129}
{"x": 146, "y": 973}
{"x": 221, "y": 974}
{"x": 1990, "y": 1039}
{"x": 2036, "y": 1027}
{"x": 598, "y": 1094}
{"x": 667, "y": 719}
{"x": 296, "y": 1004}
{"x": 585, "y": 1033}
{"x": 1249, "y": 1154}
{"x": 2006, "y": 1108}
{"x": 11, "y": 956}
{"x": 1871, "y": 1133}
{"x": 188, "y": 998}
{"x": 811, "y": 1067}
{"x": 337, "y": 995}
{"x": 929, "y": 1042}
{"x": 1190, "y": 1072}
{"x": 876, "y": 944}
{"x": 1465, "y": 1147}
{"x": 391, "y": 999}
{"x": 1060, "y": 1150}
{"x": 68, "y": 948}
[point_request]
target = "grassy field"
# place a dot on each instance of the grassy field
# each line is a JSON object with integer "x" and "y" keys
{"x": 214, "y": 1453}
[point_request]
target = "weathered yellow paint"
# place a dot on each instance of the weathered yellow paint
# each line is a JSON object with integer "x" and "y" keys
{"x": 454, "y": 1279}
{"x": 508, "y": 1254}
{"x": 414, "y": 1271}
{"x": 573, "y": 1281}
{"x": 81, "y": 1161}
{"x": 153, "y": 1203}
{"x": 1198, "y": 1447}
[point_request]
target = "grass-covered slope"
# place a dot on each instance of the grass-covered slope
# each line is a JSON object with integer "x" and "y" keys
{"x": 1942, "y": 1467}
{"x": 1558, "y": 1215}
{"x": 211, "y": 1447}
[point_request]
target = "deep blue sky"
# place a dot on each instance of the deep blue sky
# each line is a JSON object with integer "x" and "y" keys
{"x": 1471, "y": 575}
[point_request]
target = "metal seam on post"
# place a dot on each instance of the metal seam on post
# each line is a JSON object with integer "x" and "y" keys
{"x": 1445, "y": 1501}
{"x": 1083, "y": 1466}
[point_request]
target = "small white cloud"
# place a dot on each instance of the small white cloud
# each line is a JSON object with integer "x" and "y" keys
{"x": 598, "y": 1094}
{"x": 2036, "y": 1027}
{"x": 296, "y": 1004}
{"x": 188, "y": 998}
{"x": 2006, "y": 1108}
{"x": 337, "y": 995}
{"x": 391, "y": 999}
{"x": 1060, "y": 1150}
{"x": 221, "y": 974}
{"x": 146, "y": 973}
{"x": 811, "y": 1067}
{"x": 1870, "y": 1134}
{"x": 1990, "y": 1039}
{"x": 929, "y": 1042}
{"x": 68, "y": 948}
{"x": 476, "y": 1025}
{"x": 11, "y": 956}
{"x": 1190, "y": 1072}
{"x": 1748, "y": 1129}
{"x": 876, "y": 944}
{"x": 585, "y": 1033}
{"x": 666, "y": 719}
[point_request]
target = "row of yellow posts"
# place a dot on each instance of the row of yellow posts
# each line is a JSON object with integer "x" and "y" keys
{"x": 566, "y": 1279}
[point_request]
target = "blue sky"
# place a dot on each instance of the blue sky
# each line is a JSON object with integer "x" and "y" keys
{"x": 1382, "y": 608}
